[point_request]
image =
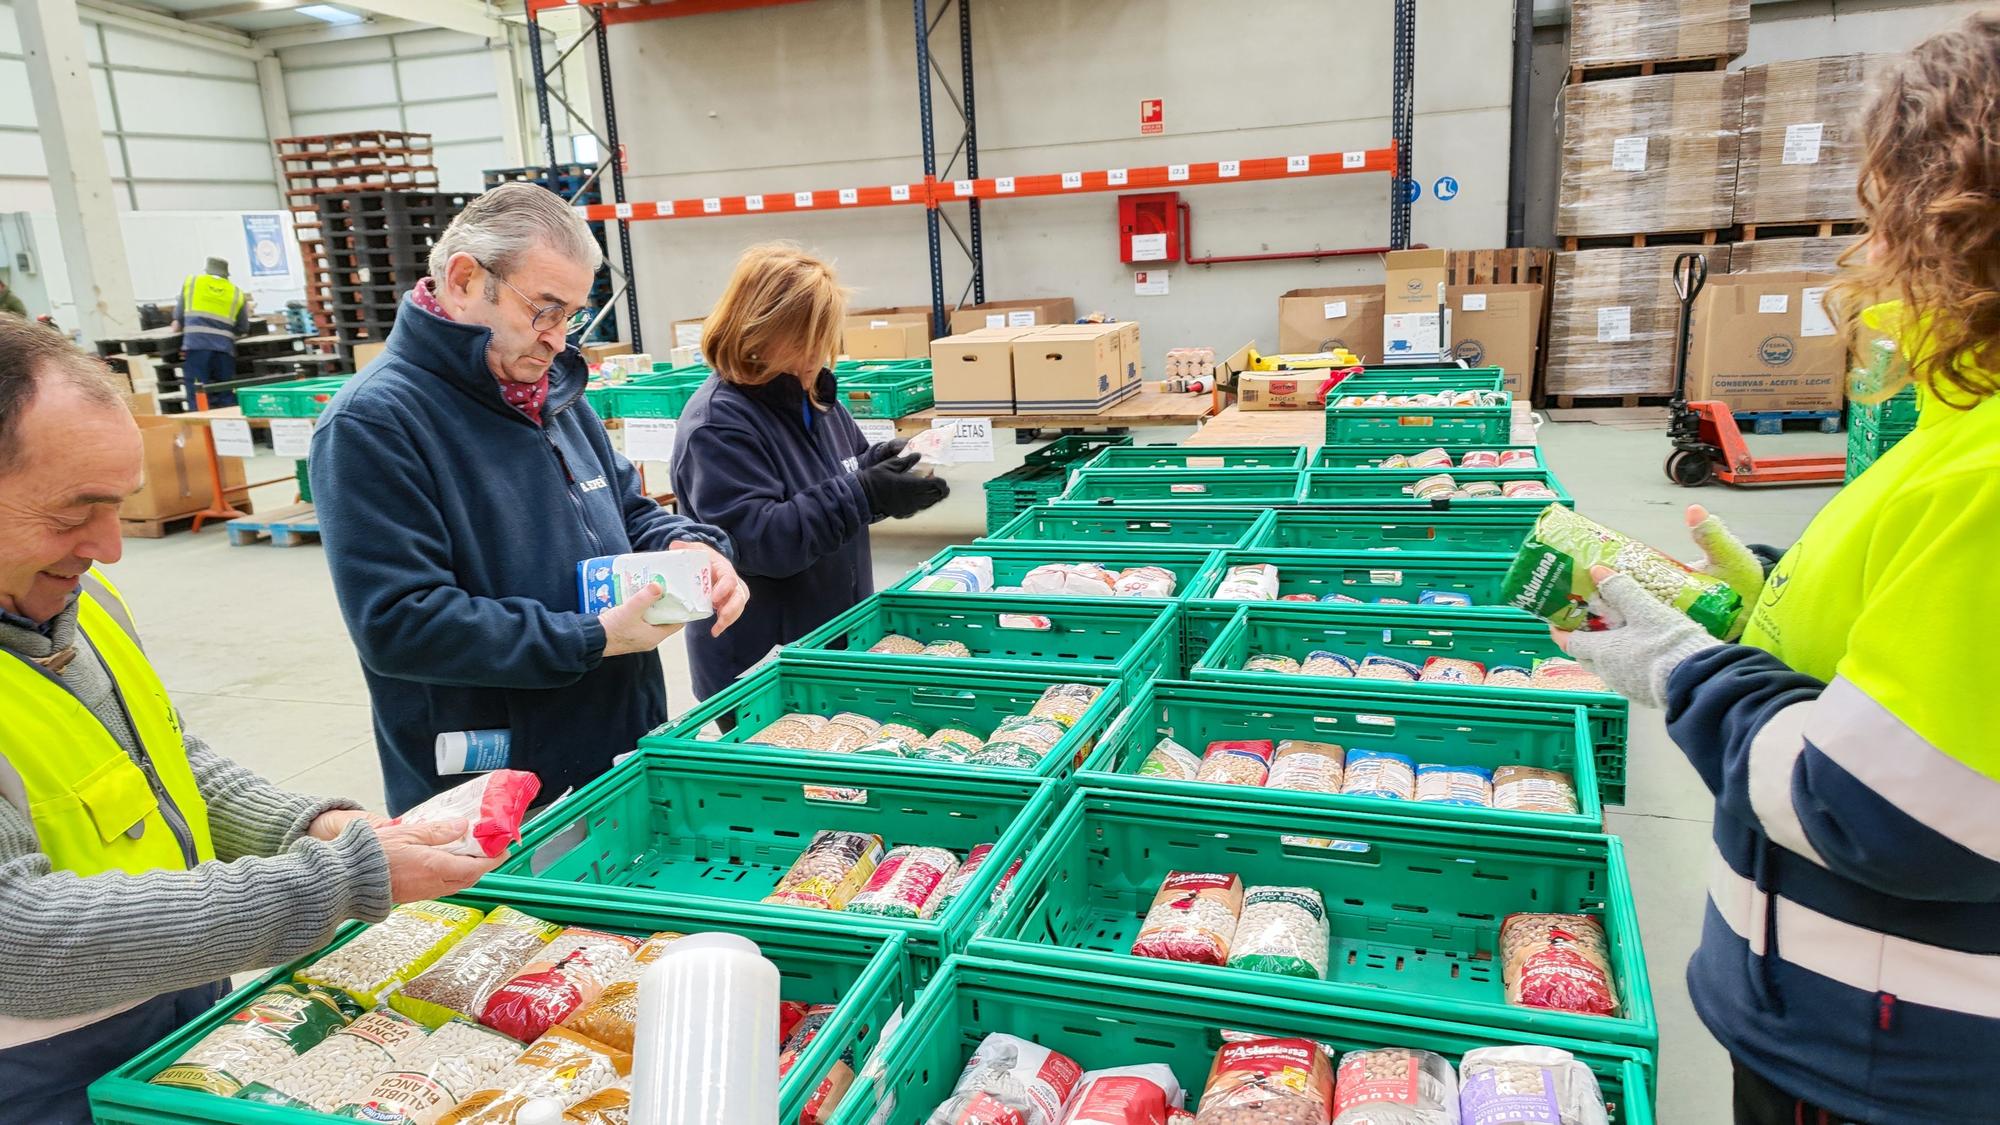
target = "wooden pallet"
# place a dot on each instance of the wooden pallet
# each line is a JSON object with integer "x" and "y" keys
{"x": 1693, "y": 64}
{"x": 1575, "y": 242}
{"x": 287, "y": 527}
{"x": 1521, "y": 265}
{"x": 1602, "y": 402}
{"x": 1773, "y": 421}
{"x": 1830, "y": 228}
{"x": 167, "y": 525}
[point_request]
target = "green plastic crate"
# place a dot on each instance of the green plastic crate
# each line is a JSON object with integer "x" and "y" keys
{"x": 1392, "y": 486}
{"x": 867, "y": 971}
{"x": 1012, "y": 562}
{"x": 1425, "y": 426}
{"x": 655, "y": 396}
{"x": 695, "y": 831}
{"x": 1072, "y": 448}
{"x": 1202, "y": 624}
{"x": 1101, "y": 1021}
{"x": 603, "y": 399}
{"x": 1370, "y": 456}
{"x": 890, "y": 394}
{"x": 1371, "y": 575}
{"x": 1017, "y": 490}
{"x": 305, "y": 482}
{"x": 1094, "y": 637}
{"x": 1123, "y": 525}
{"x": 1182, "y": 486}
{"x": 1458, "y": 732}
{"x": 1415, "y": 633}
{"x": 1461, "y": 530}
{"x": 1414, "y": 909}
{"x": 1390, "y": 379}
{"x": 303, "y": 398}
{"x": 1198, "y": 457}
{"x": 868, "y": 368}
{"x": 930, "y": 698}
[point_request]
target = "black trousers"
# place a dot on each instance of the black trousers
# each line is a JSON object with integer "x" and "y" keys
{"x": 1758, "y": 1102}
{"x": 43, "y": 1083}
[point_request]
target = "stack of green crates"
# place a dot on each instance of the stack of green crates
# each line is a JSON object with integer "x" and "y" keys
{"x": 1874, "y": 427}
{"x": 885, "y": 388}
{"x": 1418, "y": 427}
{"x": 1042, "y": 477}
{"x": 663, "y": 393}
{"x": 300, "y": 398}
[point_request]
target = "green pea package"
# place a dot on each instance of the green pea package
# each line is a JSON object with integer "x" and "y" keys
{"x": 1551, "y": 579}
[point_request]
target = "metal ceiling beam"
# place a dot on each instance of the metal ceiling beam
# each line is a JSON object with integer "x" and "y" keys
{"x": 332, "y": 33}
{"x": 467, "y": 16}
{"x": 113, "y": 14}
{"x": 251, "y": 8}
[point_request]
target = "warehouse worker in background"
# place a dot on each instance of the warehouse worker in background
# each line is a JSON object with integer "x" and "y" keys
{"x": 210, "y": 314}
{"x": 10, "y": 301}
{"x": 1850, "y": 957}
{"x": 460, "y": 479}
{"x": 139, "y": 869}
{"x": 767, "y": 453}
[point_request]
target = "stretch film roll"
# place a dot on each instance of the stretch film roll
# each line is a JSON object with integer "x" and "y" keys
{"x": 707, "y": 1046}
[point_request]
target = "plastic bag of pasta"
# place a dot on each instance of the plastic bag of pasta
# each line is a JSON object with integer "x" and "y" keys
{"x": 1550, "y": 577}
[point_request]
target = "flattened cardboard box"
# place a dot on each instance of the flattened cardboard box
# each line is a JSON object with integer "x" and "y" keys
{"x": 1320, "y": 320}
{"x": 1764, "y": 341}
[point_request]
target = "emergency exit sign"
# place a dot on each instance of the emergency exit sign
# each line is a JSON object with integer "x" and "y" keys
{"x": 1152, "y": 117}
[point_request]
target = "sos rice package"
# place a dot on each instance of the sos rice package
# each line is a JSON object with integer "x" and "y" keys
{"x": 1193, "y": 918}
{"x": 1550, "y": 577}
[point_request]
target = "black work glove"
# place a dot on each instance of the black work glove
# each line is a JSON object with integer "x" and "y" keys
{"x": 881, "y": 451}
{"x": 894, "y": 493}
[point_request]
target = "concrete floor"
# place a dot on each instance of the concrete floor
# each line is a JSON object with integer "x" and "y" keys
{"x": 251, "y": 645}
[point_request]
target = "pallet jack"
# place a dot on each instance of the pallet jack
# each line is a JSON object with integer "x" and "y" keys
{"x": 1707, "y": 443}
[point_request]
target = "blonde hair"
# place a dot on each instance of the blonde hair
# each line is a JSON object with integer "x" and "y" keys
{"x": 1930, "y": 188}
{"x": 781, "y": 309}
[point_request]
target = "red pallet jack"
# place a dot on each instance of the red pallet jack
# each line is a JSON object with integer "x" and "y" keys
{"x": 1707, "y": 443}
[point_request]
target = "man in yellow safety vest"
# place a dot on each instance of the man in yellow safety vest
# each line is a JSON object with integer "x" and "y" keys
{"x": 210, "y": 314}
{"x": 139, "y": 869}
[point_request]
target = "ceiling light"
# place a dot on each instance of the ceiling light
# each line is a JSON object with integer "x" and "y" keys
{"x": 327, "y": 13}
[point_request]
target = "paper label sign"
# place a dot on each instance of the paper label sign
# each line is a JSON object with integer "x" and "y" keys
{"x": 753, "y": 203}
{"x": 1472, "y": 302}
{"x": 1149, "y": 247}
{"x": 663, "y": 207}
{"x": 899, "y": 192}
{"x": 996, "y": 320}
{"x": 961, "y": 188}
{"x": 1149, "y": 283}
{"x": 650, "y": 439}
{"x": 1021, "y": 318}
{"x": 1614, "y": 324}
{"x": 1802, "y": 142}
{"x": 232, "y": 437}
{"x": 711, "y": 206}
{"x": 802, "y": 199}
{"x": 1115, "y": 177}
{"x": 1628, "y": 154}
{"x": 1813, "y": 320}
{"x": 1225, "y": 169}
{"x": 622, "y": 210}
{"x": 877, "y": 429}
{"x": 688, "y": 335}
{"x": 1004, "y": 185}
{"x": 972, "y": 438}
{"x": 850, "y": 196}
{"x": 1335, "y": 310}
{"x": 1177, "y": 172}
{"x": 1773, "y": 302}
{"x": 1072, "y": 180}
{"x": 292, "y": 437}
{"x": 1298, "y": 163}
{"x": 878, "y": 324}
{"x": 1353, "y": 159}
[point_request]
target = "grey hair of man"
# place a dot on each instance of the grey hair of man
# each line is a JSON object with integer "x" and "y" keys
{"x": 32, "y": 354}
{"x": 497, "y": 227}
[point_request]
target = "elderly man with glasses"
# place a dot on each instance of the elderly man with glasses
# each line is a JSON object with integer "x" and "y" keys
{"x": 459, "y": 480}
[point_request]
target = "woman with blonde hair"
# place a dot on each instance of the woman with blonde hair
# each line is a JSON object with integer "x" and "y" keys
{"x": 767, "y": 453}
{"x": 1850, "y": 955}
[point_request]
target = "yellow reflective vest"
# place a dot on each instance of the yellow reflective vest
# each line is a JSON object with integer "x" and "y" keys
{"x": 96, "y": 808}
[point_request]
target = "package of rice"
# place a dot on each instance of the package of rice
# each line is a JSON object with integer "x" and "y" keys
{"x": 1250, "y": 582}
{"x": 1375, "y": 666}
{"x": 1268, "y": 1082}
{"x": 1145, "y": 582}
{"x": 1237, "y": 762}
{"x": 1065, "y": 703}
{"x": 260, "y": 1039}
{"x": 1342, "y": 599}
{"x": 844, "y": 733}
{"x": 1507, "y": 675}
{"x": 1528, "y": 789}
{"x": 1009, "y": 1081}
{"x": 950, "y": 744}
{"x": 1468, "y": 786}
{"x": 906, "y": 883}
{"x": 1193, "y": 918}
{"x": 609, "y": 1106}
{"x": 1551, "y": 576}
{"x": 1320, "y": 662}
{"x": 1430, "y": 459}
{"x": 392, "y": 951}
{"x": 1283, "y": 930}
{"x": 1434, "y": 487}
{"x": 1443, "y": 597}
{"x": 326, "y": 1077}
{"x": 1171, "y": 760}
{"x": 569, "y": 973}
{"x": 1392, "y": 601}
{"x": 1559, "y": 673}
{"x": 1268, "y": 662}
{"x": 561, "y": 1065}
{"x": 1019, "y": 742}
{"x": 831, "y": 869}
{"x": 1452, "y": 670}
{"x": 1479, "y": 459}
{"x": 459, "y": 983}
{"x": 966, "y": 574}
{"x": 1518, "y": 459}
{"x": 1125, "y": 1095}
{"x": 1069, "y": 580}
{"x": 954, "y": 649}
{"x": 1557, "y": 961}
{"x": 1378, "y": 773}
{"x": 1507, "y": 1085}
{"x": 1303, "y": 766}
{"x": 896, "y": 644}
{"x": 1395, "y": 1086}
{"x": 793, "y": 731}
{"x": 450, "y": 1065}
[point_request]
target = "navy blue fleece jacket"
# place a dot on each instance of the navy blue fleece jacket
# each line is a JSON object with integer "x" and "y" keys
{"x": 453, "y": 526}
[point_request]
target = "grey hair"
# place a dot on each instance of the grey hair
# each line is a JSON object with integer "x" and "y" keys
{"x": 497, "y": 227}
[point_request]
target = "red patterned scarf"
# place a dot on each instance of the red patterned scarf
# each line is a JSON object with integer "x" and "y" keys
{"x": 524, "y": 397}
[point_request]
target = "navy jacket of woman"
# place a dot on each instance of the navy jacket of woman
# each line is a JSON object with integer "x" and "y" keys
{"x": 778, "y": 475}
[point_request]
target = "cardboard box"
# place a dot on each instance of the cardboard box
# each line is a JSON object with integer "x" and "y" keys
{"x": 1279, "y": 390}
{"x": 1498, "y": 326}
{"x": 176, "y": 469}
{"x": 1413, "y": 337}
{"x": 1037, "y": 313}
{"x": 973, "y": 372}
{"x": 1128, "y": 350}
{"x": 687, "y": 333}
{"x": 1649, "y": 154}
{"x": 1800, "y": 154}
{"x": 889, "y": 333}
{"x": 1811, "y": 255}
{"x": 1606, "y": 32}
{"x": 1764, "y": 341}
{"x": 1071, "y": 369}
{"x": 593, "y": 354}
{"x": 1320, "y": 320}
{"x": 142, "y": 402}
{"x": 364, "y": 354}
{"x": 1613, "y": 317}
{"x": 1415, "y": 282}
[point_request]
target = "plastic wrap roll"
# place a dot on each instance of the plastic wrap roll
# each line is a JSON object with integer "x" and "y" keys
{"x": 707, "y": 1047}
{"x": 1649, "y": 154}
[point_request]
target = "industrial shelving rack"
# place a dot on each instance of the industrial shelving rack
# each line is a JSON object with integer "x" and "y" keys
{"x": 939, "y": 188}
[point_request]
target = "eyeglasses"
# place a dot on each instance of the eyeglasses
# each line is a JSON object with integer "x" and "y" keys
{"x": 546, "y": 316}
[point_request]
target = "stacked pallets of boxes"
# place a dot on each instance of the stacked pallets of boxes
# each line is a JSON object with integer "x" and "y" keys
{"x": 1005, "y": 747}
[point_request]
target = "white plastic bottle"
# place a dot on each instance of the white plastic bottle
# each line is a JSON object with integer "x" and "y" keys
{"x": 706, "y": 1049}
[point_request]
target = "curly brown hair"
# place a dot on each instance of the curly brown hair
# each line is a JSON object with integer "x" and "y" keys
{"x": 1930, "y": 188}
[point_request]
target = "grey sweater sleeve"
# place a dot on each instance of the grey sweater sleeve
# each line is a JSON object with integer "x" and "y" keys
{"x": 247, "y": 815}
{"x": 71, "y": 945}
